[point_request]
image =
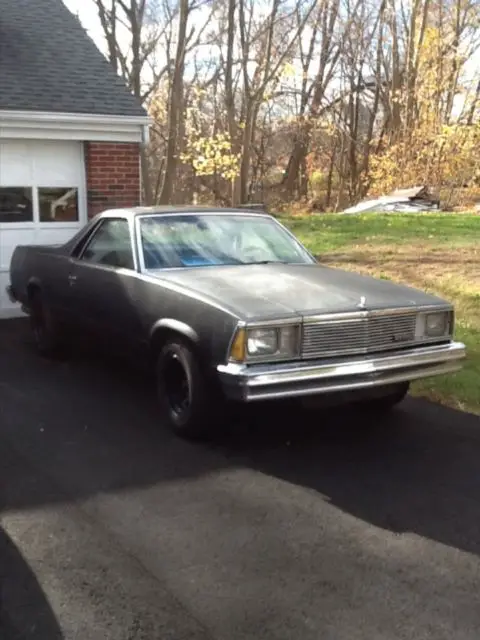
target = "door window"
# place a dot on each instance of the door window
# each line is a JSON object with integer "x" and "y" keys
{"x": 111, "y": 245}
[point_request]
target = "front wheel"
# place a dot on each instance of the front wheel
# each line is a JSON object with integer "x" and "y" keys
{"x": 188, "y": 402}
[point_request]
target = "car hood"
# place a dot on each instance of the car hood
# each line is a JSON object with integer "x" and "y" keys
{"x": 273, "y": 290}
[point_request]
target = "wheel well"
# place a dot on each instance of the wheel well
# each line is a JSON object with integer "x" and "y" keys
{"x": 163, "y": 334}
{"x": 32, "y": 289}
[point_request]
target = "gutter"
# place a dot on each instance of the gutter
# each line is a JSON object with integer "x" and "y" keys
{"x": 53, "y": 117}
{"x": 74, "y": 126}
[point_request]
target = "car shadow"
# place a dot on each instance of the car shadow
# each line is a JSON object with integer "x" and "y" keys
{"x": 412, "y": 472}
{"x": 24, "y": 609}
{"x": 95, "y": 423}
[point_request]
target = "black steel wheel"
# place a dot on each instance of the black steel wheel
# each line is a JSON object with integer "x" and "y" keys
{"x": 178, "y": 392}
{"x": 188, "y": 402}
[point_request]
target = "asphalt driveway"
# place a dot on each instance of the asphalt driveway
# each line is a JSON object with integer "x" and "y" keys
{"x": 311, "y": 527}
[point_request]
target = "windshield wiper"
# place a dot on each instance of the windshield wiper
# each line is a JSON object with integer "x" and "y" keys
{"x": 268, "y": 262}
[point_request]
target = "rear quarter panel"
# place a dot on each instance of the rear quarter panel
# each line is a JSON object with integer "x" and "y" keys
{"x": 42, "y": 266}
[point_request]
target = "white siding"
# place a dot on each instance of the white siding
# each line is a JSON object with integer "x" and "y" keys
{"x": 34, "y": 164}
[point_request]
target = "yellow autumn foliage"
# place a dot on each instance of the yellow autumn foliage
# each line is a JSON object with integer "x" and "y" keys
{"x": 429, "y": 151}
{"x": 206, "y": 151}
{"x": 209, "y": 155}
{"x": 445, "y": 158}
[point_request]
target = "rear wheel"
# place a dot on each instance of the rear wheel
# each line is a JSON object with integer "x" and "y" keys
{"x": 189, "y": 404}
{"x": 45, "y": 331}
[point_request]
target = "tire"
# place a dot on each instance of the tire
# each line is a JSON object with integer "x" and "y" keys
{"x": 387, "y": 402}
{"x": 189, "y": 404}
{"x": 45, "y": 331}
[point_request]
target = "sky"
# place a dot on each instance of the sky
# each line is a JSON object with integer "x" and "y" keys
{"x": 87, "y": 12}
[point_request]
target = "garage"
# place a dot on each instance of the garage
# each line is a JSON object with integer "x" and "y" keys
{"x": 42, "y": 199}
{"x": 70, "y": 133}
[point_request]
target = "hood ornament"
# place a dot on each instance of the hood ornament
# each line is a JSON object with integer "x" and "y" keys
{"x": 363, "y": 302}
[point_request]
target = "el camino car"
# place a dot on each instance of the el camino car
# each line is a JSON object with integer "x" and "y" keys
{"x": 228, "y": 305}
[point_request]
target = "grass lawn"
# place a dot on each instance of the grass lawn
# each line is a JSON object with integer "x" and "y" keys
{"x": 439, "y": 253}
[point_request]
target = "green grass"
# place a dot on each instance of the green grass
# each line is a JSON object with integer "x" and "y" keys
{"x": 439, "y": 253}
{"x": 460, "y": 390}
{"x": 329, "y": 232}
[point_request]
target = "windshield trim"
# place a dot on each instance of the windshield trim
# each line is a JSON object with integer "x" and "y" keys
{"x": 230, "y": 213}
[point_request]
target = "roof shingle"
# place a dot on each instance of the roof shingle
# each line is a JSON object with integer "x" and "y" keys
{"x": 49, "y": 63}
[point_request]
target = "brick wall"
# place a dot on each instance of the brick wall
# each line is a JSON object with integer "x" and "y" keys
{"x": 113, "y": 175}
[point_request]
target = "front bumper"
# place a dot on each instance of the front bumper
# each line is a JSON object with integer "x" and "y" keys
{"x": 285, "y": 380}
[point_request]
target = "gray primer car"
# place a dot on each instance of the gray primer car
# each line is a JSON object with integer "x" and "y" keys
{"x": 227, "y": 304}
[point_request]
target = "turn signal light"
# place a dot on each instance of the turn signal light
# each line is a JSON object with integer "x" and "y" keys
{"x": 239, "y": 344}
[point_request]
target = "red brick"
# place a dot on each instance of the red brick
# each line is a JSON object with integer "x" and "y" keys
{"x": 113, "y": 175}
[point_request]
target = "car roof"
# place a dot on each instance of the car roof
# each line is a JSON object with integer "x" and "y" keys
{"x": 171, "y": 209}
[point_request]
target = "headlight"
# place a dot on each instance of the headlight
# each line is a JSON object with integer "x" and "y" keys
{"x": 265, "y": 342}
{"x": 281, "y": 342}
{"x": 434, "y": 325}
{"x": 262, "y": 342}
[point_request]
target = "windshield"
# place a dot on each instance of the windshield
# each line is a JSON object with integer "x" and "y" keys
{"x": 211, "y": 239}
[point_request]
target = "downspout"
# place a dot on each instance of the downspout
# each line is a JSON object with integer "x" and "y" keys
{"x": 146, "y": 195}
{"x": 145, "y": 135}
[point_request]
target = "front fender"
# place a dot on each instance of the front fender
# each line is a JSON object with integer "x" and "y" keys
{"x": 170, "y": 324}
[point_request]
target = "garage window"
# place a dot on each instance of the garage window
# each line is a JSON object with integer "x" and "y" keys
{"x": 42, "y": 182}
{"x": 16, "y": 204}
{"x": 55, "y": 204}
{"x": 58, "y": 204}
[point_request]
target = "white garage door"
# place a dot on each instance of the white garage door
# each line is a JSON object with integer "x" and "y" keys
{"x": 42, "y": 199}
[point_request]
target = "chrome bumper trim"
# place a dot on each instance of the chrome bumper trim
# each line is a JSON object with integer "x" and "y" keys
{"x": 283, "y": 380}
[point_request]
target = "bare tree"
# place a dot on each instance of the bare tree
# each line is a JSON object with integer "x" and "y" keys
{"x": 175, "y": 106}
{"x": 133, "y": 30}
{"x": 298, "y": 87}
{"x": 325, "y": 43}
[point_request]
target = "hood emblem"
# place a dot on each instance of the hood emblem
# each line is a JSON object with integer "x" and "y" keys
{"x": 363, "y": 302}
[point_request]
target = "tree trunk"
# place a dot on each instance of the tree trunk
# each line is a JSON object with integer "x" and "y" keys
{"x": 328, "y": 196}
{"x": 248, "y": 134}
{"x": 327, "y": 19}
{"x": 291, "y": 181}
{"x": 175, "y": 108}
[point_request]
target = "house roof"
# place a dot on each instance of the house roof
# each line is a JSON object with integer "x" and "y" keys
{"x": 49, "y": 63}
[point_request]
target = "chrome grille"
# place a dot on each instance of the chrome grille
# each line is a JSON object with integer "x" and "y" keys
{"x": 360, "y": 335}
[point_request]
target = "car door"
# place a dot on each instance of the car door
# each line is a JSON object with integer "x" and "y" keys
{"x": 102, "y": 280}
